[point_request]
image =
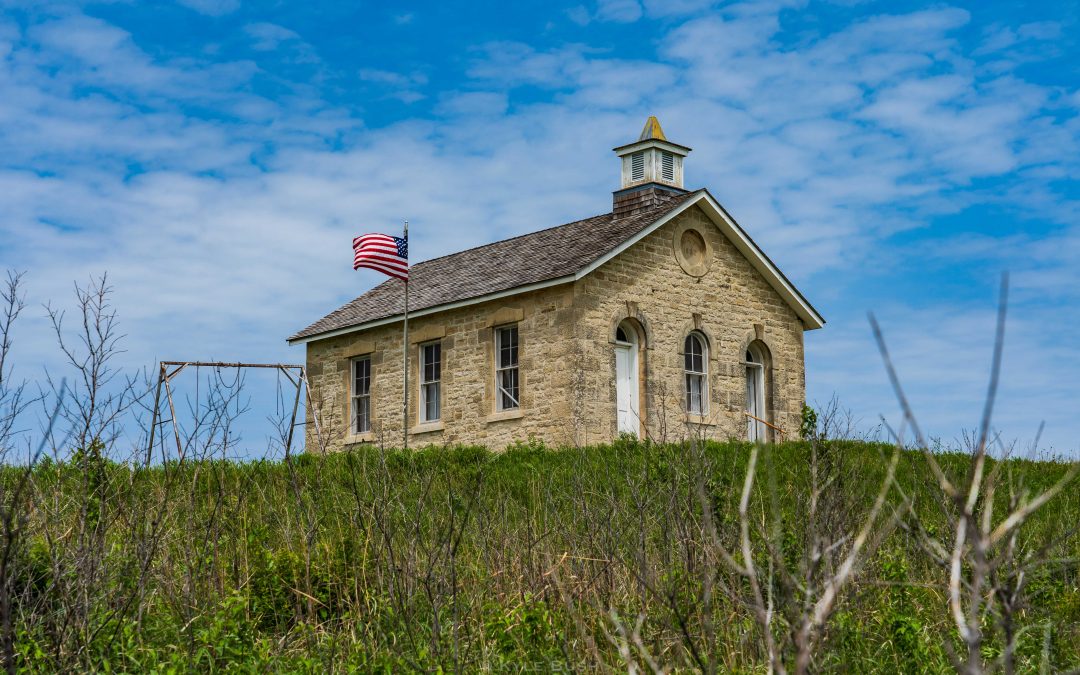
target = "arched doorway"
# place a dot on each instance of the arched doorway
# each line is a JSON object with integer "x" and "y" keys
{"x": 627, "y": 379}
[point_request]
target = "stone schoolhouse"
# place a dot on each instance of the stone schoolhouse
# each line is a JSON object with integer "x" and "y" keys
{"x": 660, "y": 319}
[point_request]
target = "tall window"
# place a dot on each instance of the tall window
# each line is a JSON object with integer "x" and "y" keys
{"x": 430, "y": 377}
{"x": 755, "y": 394}
{"x": 507, "y": 382}
{"x": 361, "y": 395}
{"x": 695, "y": 363}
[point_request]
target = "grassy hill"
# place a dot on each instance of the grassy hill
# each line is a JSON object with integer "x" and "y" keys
{"x": 530, "y": 559}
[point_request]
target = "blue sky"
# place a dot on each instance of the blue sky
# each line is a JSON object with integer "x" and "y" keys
{"x": 217, "y": 156}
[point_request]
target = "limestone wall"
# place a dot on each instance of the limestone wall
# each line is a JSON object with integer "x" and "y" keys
{"x": 545, "y": 325}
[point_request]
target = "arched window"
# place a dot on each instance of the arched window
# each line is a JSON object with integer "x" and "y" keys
{"x": 696, "y": 364}
{"x": 755, "y": 394}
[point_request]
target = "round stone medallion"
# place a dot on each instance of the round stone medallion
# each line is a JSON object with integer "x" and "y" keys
{"x": 692, "y": 250}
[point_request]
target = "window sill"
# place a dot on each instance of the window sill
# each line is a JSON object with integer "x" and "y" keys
{"x": 699, "y": 420}
{"x": 426, "y": 427}
{"x": 504, "y": 415}
{"x": 366, "y": 437}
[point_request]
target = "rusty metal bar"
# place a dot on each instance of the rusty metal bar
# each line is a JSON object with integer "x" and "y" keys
{"x": 771, "y": 426}
{"x": 223, "y": 364}
{"x": 154, "y": 417}
{"x": 314, "y": 412}
{"x": 176, "y": 429}
{"x": 292, "y": 421}
{"x": 287, "y": 374}
{"x": 169, "y": 376}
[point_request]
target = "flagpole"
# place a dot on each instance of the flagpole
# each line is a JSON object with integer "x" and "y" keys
{"x": 405, "y": 360}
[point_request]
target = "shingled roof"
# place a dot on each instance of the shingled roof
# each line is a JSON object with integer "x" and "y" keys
{"x": 502, "y": 266}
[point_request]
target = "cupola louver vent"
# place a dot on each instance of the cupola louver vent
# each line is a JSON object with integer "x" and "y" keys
{"x": 637, "y": 166}
{"x": 667, "y": 167}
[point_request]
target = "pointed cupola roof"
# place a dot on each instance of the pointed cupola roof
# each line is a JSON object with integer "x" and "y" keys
{"x": 652, "y": 136}
{"x": 652, "y": 130}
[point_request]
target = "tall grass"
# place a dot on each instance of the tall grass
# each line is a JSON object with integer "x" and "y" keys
{"x": 461, "y": 559}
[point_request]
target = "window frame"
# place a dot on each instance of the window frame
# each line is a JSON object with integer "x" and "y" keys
{"x": 355, "y": 397}
{"x": 427, "y": 385}
{"x": 514, "y": 368}
{"x": 700, "y": 376}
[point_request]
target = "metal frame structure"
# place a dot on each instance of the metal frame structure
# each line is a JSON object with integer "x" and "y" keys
{"x": 167, "y": 370}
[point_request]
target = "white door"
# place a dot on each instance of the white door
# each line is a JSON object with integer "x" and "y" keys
{"x": 626, "y": 388}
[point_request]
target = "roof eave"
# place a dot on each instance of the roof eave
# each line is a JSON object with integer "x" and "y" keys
{"x": 668, "y": 145}
{"x": 811, "y": 318}
{"x": 299, "y": 339}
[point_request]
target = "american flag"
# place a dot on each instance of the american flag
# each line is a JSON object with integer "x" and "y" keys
{"x": 389, "y": 255}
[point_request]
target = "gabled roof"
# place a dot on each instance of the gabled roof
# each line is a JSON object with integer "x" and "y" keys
{"x": 537, "y": 260}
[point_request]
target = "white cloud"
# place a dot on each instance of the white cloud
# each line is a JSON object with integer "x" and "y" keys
{"x": 579, "y": 15}
{"x": 621, "y": 11}
{"x": 270, "y": 37}
{"x": 405, "y": 87}
{"x": 267, "y": 36}
{"x": 676, "y": 7}
{"x": 475, "y": 103}
{"x": 211, "y": 7}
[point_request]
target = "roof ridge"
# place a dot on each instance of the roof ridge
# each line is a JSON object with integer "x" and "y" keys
{"x": 548, "y": 229}
{"x": 480, "y": 246}
{"x": 516, "y": 236}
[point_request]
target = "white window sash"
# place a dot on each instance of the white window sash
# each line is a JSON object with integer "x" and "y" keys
{"x": 699, "y": 376}
{"x": 696, "y": 393}
{"x": 755, "y": 429}
{"x": 358, "y": 402}
{"x": 430, "y": 390}
{"x": 359, "y": 398}
{"x": 502, "y": 334}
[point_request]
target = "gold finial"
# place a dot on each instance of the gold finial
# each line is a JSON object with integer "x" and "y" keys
{"x": 652, "y": 130}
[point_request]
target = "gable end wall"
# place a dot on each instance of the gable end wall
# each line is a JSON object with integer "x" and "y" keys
{"x": 734, "y": 305}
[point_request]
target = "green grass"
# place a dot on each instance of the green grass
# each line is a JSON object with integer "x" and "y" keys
{"x": 462, "y": 559}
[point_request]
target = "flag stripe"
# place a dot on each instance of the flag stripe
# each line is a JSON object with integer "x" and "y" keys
{"x": 404, "y": 276}
{"x": 404, "y": 269}
{"x": 382, "y": 255}
{"x": 373, "y": 237}
{"x": 382, "y": 267}
{"x": 389, "y": 261}
{"x": 377, "y": 251}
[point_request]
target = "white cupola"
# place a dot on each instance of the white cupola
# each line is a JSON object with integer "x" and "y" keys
{"x": 652, "y": 171}
{"x": 652, "y": 159}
